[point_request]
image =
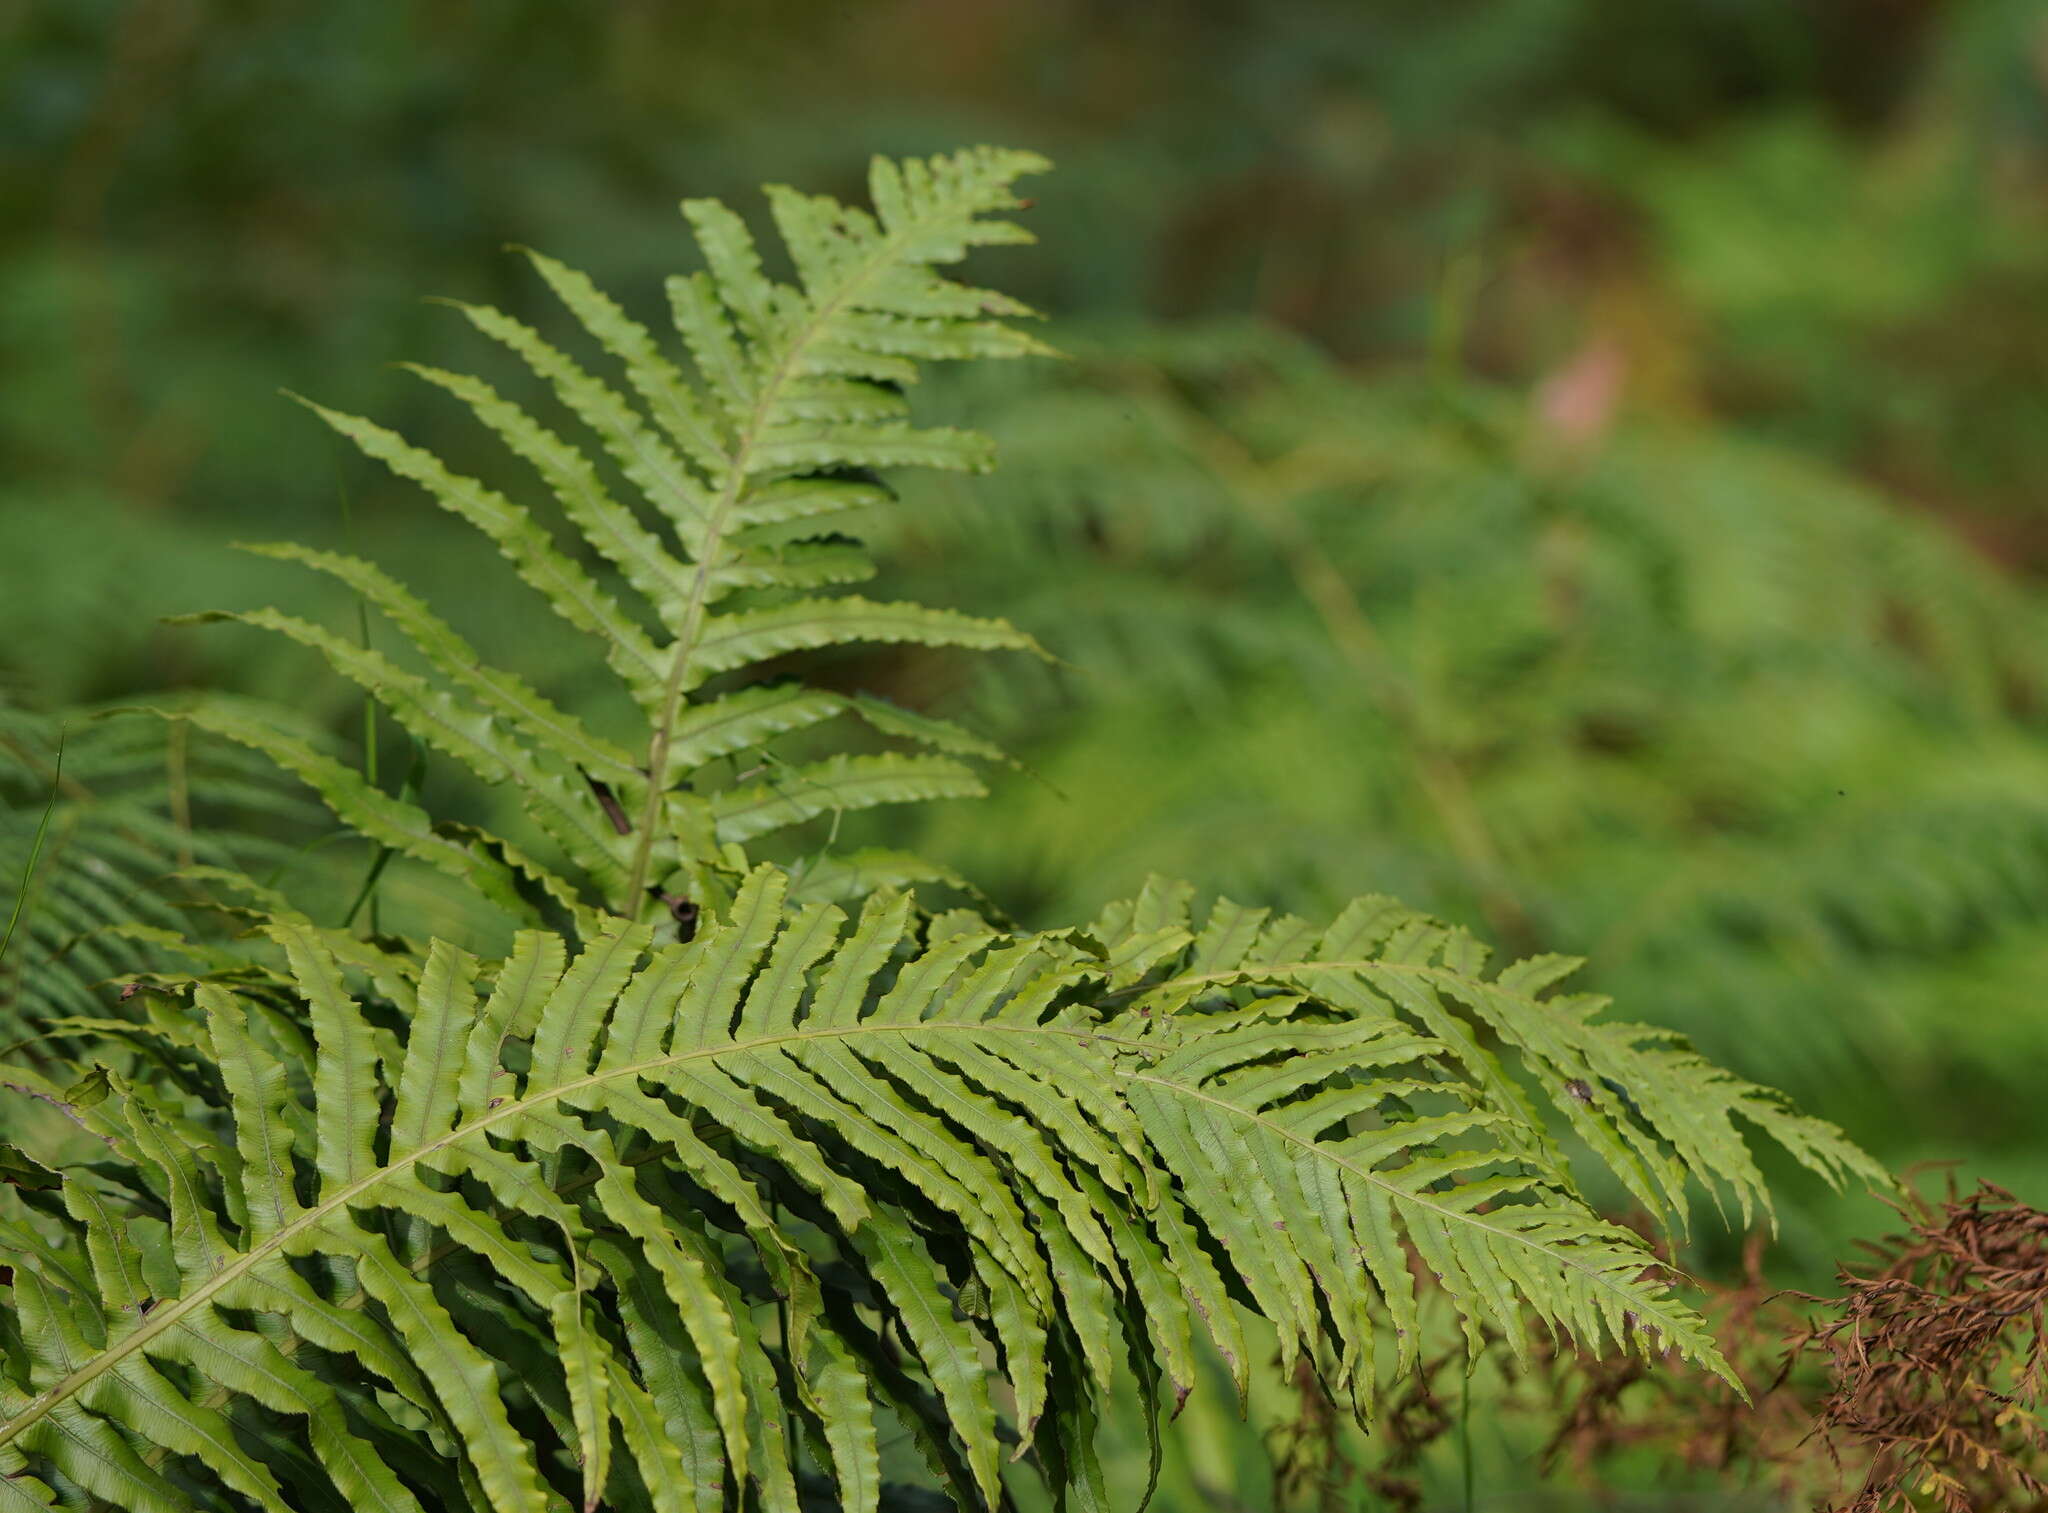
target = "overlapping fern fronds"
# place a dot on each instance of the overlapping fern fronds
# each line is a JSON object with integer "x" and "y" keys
{"x": 749, "y": 465}
{"x": 100, "y": 819}
{"x": 705, "y": 1190}
{"x": 576, "y": 1230}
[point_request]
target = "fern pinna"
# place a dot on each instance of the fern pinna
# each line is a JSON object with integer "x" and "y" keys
{"x": 809, "y": 1201}
{"x": 577, "y": 1232}
{"x": 754, "y": 469}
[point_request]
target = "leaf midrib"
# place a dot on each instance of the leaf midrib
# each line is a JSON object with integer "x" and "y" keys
{"x": 631, "y": 903}
{"x": 164, "y": 1318}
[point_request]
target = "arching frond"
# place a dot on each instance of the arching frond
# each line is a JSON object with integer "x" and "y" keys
{"x": 579, "y": 1230}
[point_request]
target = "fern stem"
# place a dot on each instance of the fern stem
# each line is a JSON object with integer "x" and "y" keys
{"x": 634, "y": 901}
{"x": 1465, "y": 1432}
{"x": 368, "y": 891}
{"x": 69, "y": 786}
{"x": 1437, "y": 772}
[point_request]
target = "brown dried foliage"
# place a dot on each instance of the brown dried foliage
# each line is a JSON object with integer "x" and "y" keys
{"x": 1925, "y": 1377}
{"x": 1936, "y": 1358}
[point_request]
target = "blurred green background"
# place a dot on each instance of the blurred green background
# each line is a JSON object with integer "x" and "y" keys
{"x": 1575, "y": 464}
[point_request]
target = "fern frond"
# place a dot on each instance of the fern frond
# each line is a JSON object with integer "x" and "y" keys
{"x": 718, "y": 505}
{"x": 580, "y": 1234}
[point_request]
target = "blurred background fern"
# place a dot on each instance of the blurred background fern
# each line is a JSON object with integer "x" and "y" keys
{"x": 1765, "y": 748}
{"x": 110, "y": 822}
{"x": 1578, "y": 465}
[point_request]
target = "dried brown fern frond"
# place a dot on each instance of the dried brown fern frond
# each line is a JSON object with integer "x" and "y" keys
{"x": 1936, "y": 1358}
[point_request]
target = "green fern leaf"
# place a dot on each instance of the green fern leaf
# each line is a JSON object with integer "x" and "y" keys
{"x": 569, "y": 1191}
{"x": 796, "y": 794}
{"x": 704, "y": 510}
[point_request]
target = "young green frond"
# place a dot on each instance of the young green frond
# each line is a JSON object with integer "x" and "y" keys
{"x": 603, "y": 1211}
{"x": 719, "y": 504}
